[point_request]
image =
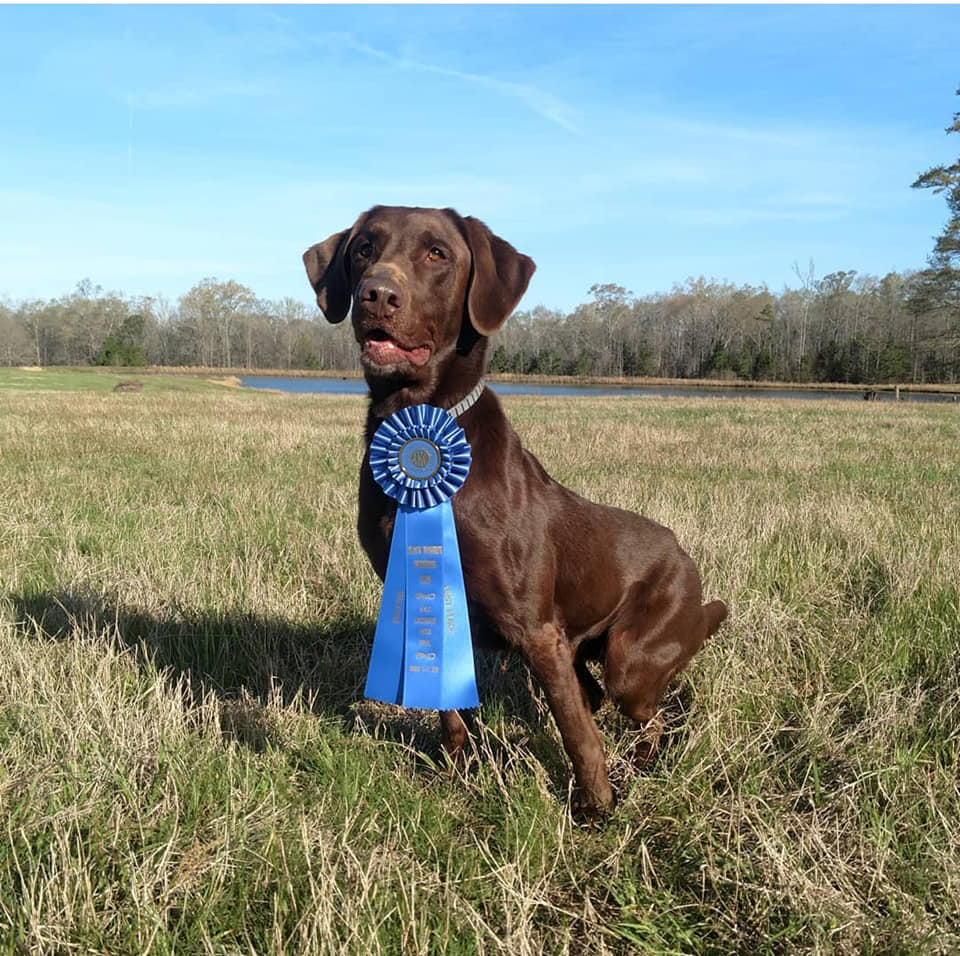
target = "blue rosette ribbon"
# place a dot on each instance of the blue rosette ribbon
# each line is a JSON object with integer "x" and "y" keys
{"x": 422, "y": 652}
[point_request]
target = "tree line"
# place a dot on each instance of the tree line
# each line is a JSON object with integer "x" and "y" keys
{"x": 842, "y": 327}
{"x": 214, "y": 324}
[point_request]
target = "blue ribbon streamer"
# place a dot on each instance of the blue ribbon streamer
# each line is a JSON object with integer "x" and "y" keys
{"x": 422, "y": 652}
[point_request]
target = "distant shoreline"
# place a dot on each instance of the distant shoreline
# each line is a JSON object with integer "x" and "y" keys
{"x": 575, "y": 380}
{"x": 211, "y": 372}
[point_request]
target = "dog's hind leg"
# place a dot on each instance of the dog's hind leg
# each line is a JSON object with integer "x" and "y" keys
{"x": 653, "y": 639}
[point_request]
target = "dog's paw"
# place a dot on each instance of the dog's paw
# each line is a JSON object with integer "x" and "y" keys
{"x": 589, "y": 807}
{"x": 454, "y": 754}
{"x": 648, "y": 741}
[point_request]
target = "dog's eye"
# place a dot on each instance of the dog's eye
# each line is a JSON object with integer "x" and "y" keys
{"x": 364, "y": 250}
{"x": 436, "y": 254}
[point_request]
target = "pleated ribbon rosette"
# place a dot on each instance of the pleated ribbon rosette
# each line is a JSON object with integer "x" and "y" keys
{"x": 422, "y": 652}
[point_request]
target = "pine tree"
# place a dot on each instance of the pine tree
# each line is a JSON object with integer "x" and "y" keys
{"x": 940, "y": 288}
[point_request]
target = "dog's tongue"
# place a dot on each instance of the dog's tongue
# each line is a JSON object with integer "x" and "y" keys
{"x": 388, "y": 352}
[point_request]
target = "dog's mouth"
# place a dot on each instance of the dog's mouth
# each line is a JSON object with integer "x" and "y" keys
{"x": 381, "y": 349}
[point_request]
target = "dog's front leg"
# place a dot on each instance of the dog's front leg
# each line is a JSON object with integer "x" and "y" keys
{"x": 454, "y": 733}
{"x": 552, "y": 662}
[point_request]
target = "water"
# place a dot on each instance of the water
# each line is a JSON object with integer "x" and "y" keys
{"x": 357, "y": 386}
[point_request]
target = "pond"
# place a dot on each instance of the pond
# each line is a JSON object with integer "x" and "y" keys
{"x": 357, "y": 386}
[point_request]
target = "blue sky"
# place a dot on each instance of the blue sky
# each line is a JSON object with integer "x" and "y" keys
{"x": 150, "y": 147}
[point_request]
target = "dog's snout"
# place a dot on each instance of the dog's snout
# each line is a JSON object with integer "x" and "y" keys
{"x": 381, "y": 296}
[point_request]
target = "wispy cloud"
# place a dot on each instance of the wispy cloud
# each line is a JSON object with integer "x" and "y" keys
{"x": 539, "y": 101}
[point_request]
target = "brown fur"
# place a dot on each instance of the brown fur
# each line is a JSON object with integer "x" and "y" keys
{"x": 551, "y": 575}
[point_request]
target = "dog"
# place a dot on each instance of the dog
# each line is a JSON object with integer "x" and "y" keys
{"x": 549, "y": 574}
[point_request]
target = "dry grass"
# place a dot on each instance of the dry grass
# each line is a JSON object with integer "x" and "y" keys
{"x": 186, "y": 764}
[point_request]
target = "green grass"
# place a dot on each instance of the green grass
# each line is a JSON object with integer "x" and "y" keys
{"x": 187, "y": 764}
{"x": 97, "y": 380}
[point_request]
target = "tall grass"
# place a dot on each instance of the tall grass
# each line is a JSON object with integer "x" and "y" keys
{"x": 186, "y": 763}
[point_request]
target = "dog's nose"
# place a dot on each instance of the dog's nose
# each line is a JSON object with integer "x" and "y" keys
{"x": 381, "y": 296}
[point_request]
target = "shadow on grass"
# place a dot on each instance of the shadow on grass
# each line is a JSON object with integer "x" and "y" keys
{"x": 251, "y": 663}
{"x": 232, "y": 654}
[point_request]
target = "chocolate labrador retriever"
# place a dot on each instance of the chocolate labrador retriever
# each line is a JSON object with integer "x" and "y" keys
{"x": 548, "y": 573}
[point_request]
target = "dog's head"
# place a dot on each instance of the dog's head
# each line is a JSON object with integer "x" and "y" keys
{"x": 419, "y": 283}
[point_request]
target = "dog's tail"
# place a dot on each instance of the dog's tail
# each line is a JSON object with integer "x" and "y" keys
{"x": 714, "y": 614}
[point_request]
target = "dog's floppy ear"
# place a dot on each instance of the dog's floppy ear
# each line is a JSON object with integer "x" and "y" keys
{"x": 499, "y": 278}
{"x": 327, "y": 272}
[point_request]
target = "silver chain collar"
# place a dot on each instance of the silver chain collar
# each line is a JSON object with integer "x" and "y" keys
{"x": 467, "y": 402}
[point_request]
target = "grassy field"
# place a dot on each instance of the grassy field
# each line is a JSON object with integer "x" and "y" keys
{"x": 187, "y": 766}
{"x": 56, "y": 379}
